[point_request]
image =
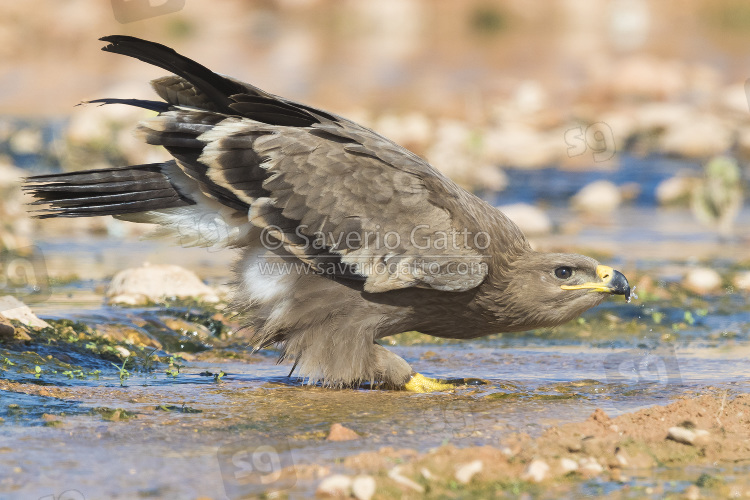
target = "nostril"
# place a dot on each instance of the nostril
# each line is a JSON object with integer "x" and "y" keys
{"x": 605, "y": 276}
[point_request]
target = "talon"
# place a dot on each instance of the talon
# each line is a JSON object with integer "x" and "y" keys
{"x": 420, "y": 383}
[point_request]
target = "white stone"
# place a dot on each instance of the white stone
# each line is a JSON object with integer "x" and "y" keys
{"x": 734, "y": 98}
{"x": 11, "y": 175}
{"x": 532, "y": 220}
{"x": 395, "y": 474}
{"x": 568, "y": 465}
{"x": 150, "y": 283}
{"x": 337, "y": 485}
{"x": 124, "y": 353}
{"x": 660, "y": 115}
{"x": 597, "y": 197}
{"x": 702, "y": 280}
{"x": 692, "y": 492}
{"x": 465, "y": 472}
{"x": 490, "y": 177}
{"x": 427, "y": 474}
{"x": 12, "y": 308}
{"x": 537, "y": 471}
{"x": 687, "y": 436}
{"x": 590, "y": 465}
{"x": 27, "y": 141}
{"x": 742, "y": 281}
{"x": 674, "y": 190}
{"x": 700, "y": 136}
{"x": 363, "y": 487}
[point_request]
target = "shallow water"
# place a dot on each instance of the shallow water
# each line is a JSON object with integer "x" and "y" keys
{"x": 187, "y": 430}
{"x": 187, "y": 434}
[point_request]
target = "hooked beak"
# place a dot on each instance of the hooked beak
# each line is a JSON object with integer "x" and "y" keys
{"x": 613, "y": 282}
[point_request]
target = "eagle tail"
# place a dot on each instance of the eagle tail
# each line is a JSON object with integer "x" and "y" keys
{"x": 109, "y": 191}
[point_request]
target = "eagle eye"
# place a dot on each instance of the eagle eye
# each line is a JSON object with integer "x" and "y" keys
{"x": 564, "y": 272}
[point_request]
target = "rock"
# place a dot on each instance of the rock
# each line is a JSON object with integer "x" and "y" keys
{"x": 743, "y": 141}
{"x": 734, "y": 98}
{"x": 692, "y": 492}
{"x": 622, "y": 457}
{"x": 656, "y": 116}
{"x": 598, "y": 197}
{"x": 340, "y": 433}
{"x": 465, "y": 472}
{"x": 412, "y": 130}
{"x": 337, "y": 485}
{"x": 568, "y": 465}
{"x": 675, "y": 190}
{"x": 127, "y": 334}
{"x": 590, "y": 466}
{"x": 490, "y": 177}
{"x": 688, "y": 436}
{"x": 647, "y": 77}
{"x": 122, "y": 352}
{"x": 532, "y": 220}
{"x": 12, "y": 308}
{"x": 702, "y": 280}
{"x": 10, "y": 175}
{"x": 537, "y": 471}
{"x": 7, "y": 330}
{"x": 698, "y": 137}
{"x": 427, "y": 474}
{"x": 742, "y": 281}
{"x": 363, "y": 487}
{"x": 395, "y": 474}
{"x": 520, "y": 146}
{"x": 152, "y": 283}
{"x": 27, "y": 141}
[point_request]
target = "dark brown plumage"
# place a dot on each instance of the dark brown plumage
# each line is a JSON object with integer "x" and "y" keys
{"x": 345, "y": 236}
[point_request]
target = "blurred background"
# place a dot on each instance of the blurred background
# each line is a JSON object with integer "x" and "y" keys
{"x": 618, "y": 127}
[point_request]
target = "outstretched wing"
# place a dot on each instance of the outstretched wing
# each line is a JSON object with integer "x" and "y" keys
{"x": 338, "y": 196}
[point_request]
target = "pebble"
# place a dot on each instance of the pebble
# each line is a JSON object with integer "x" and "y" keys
{"x": 698, "y": 137}
{"x": 124, "y": 353}
{"x": 427, "y": 474}
{"x": 340, "y": 433}
{"x": 692, "y": 492}
{"x": 742, "y": 281}
{"x": 363, "y": 487}
{"x": 687, "y": 436}
{"x": 337, "y": 485}
{"x": 568, "y": 465}
{"x": 590, "y": 465}
{"x": 622, "y": 458}
{"x": 530, "y": 219}
{"x": 465, "y": 472}
{"x": 597, "y": 197}
{"x": 7, "y": 331}
{"x": 537, "y": 471}
{"x": 702, "y": 280}
{"x": 675, "y": 190}
{"x": 395, "y": 474}
{"x": 152, "y": 283}
{"x": 12, "y": 308}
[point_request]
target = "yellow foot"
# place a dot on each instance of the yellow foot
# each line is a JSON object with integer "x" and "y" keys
{"x": 420, "y": 383}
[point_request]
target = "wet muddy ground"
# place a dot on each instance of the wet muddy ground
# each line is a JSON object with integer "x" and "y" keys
{"x": 193, "y": 413}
